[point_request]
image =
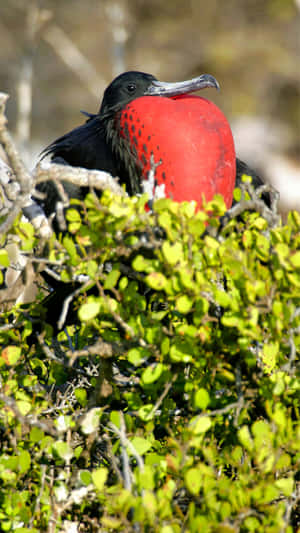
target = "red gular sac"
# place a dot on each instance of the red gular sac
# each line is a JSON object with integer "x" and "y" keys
{"x": 190, "y": 141}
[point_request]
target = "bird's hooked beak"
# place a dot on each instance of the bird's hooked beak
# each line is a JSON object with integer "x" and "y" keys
{"x": 161, "y": 88}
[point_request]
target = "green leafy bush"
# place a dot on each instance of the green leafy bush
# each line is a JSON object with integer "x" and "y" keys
{"x": 173, "y": 406}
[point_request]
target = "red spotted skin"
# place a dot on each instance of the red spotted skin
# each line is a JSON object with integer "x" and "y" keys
{"x": 192, "y": 139}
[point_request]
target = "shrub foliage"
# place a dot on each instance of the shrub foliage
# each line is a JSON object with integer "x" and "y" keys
{"x": 172, "y": 404}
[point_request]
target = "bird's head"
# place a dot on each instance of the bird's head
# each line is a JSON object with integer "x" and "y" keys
{"x": 131, "y": 85}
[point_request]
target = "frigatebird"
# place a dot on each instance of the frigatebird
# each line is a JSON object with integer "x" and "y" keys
{"x": 142, "y": 120}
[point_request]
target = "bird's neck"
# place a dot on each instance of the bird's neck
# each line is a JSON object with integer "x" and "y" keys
{"x": 130, "y": 169}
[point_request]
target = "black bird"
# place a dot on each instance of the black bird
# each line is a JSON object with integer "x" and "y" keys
{"x": 97, "y": 144}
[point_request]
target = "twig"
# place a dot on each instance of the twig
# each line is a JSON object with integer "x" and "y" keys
{"x": 162, "y": 396}
{"x": 112, "y": 457}
{"x": 81, "y": 177}
{"x": 102, "y": 348}
{"x": 255, "y": 203}
{"x": 240, "y": 402}
{"x": 291, "y": 341}
{"x": 21, "y": 175}
{"x": 125, "y": 443}
{"x": 66, "y": 304}
{"x": 48, "y": 352}
{"x": 39, "y": 496}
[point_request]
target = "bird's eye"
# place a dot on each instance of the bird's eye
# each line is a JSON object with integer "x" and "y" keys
{"x": 131, "y": 87}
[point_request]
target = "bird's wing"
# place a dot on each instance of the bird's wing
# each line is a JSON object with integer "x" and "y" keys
{"x": 84, "y": 146}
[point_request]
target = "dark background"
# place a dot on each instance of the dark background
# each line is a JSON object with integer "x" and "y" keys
{"x": 58, "y": 56}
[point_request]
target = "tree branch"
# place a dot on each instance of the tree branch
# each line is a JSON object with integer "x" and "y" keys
{"x": 81, "y": 177}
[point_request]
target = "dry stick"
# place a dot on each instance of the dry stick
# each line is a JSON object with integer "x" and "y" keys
{"x": 81, "y": 177}
{"x": 39, "y": 496}
{"x": 256, "y": 203}
{"x": 106, "y": 349}
{"x": 19, "y": 181}
{"x": 162, "y": 396}
{"x": 125, "y": 443}
{"x": 43, "y": 172}
{"x": 21, "y": 173}
{"x": 22, "y": 176}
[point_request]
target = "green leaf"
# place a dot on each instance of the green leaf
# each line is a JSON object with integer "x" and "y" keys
{"x": 201, "y": 399}
{"x": 223, "y": 298}
{"x": 71, "y": 249}
{"x": 24, "y": 461}
{"x": 173, "y": 252}
{"x": 295, "y": 260}
{"x": 36, "y": 434}
{"x": 81, "y": 396}
{"x": 184, "y": 304}
{"x": 152, "y": 373}
{"x": 73, "y": 215}
{"x": 141, "y": 264}
{"x": 145, "y": 480}
{"x": 111, "y": 279}
{"x": 282, "y": 250}
{"x": 85, "y": 477}
{"x": 269, "y": 355}
{"x": 115, "y": 418}
{"x": 180, "y": 351}
{"x": 156, "y": 280}
{"x": 193, "y": 480}
{"x": 136, "y": 356}
{"x": 285, "y": 485}
{"x": 63, "y": 450}
{"x": 146, "y": 412}
{"x": 245, "y": 438}
{"x": 99, "y": 477}
{"x": 4, "y": 259}
{"x": 140, "y": 445}
{"x": 24, "y": 406}
{"x": 11, "y": 355}
{"x": 89, "y": 310}
{"x": 251, "y": 523}
{"x": 200, "y": 424}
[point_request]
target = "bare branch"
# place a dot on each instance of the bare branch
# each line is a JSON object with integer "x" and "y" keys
{"x": 125, "y": 443}
{"x": 21, "y": 173}
{"x": 105, "y": 349}
{"x": 256, "y": 203}
{"x": 162, "y": 396}
{"x": 81, "y": 177}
